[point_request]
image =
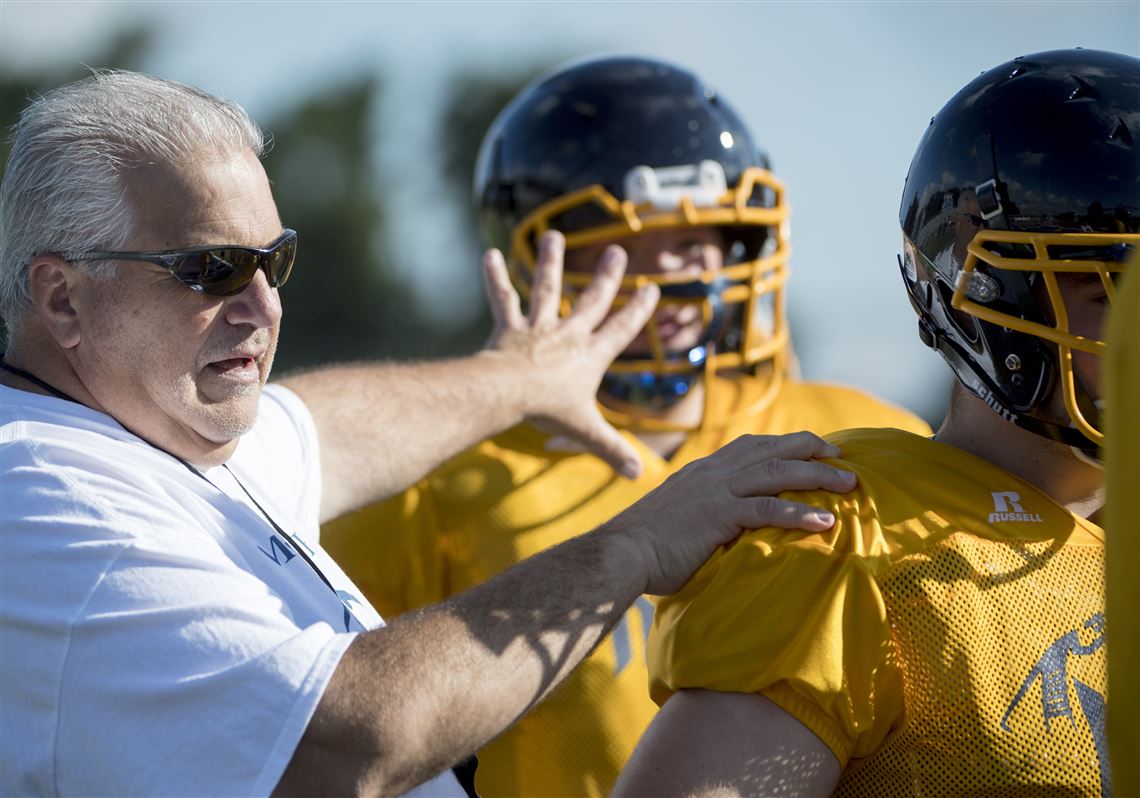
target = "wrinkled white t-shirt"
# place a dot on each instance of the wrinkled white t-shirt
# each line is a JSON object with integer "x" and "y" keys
{"x": 157, "y": 635}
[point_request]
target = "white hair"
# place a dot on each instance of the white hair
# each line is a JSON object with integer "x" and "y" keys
{"x": 64, "y": 187}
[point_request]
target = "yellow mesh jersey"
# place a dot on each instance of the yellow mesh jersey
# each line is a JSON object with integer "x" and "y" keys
{"x": 944, "y": 638}
{"x": 509, "y": 498}
{"x": 1123, "y": 525}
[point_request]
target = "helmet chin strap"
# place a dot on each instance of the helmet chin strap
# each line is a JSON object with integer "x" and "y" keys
{"x": 1083, "y": 453}
{"x": 647, "y": 390}
{"x": 650, "y": 391}
{"x": 1089, "y": 459}
{"x": 1068, "y": 435}
{"x": 1085, "y": 450}
{"x": 1065, "y": 434}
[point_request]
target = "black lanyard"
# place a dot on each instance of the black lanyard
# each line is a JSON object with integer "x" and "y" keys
{"x": 300, "y": 549}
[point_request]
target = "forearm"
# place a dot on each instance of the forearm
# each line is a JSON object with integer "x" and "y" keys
{"x": 410, "y": 700}
{"x": 382, "y": 427}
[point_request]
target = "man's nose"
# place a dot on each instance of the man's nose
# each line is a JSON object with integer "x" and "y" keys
{"x": 258, "y": 305}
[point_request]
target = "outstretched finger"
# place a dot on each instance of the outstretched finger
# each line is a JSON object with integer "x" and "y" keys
{"x": 789, "y": 446}
{"x": 595, "y": 302}
{"x": 598, "y": 437}
{"x": 773, "y": 476}
{"x": 782, "y": 513}
{"x": 627, "y": 321}
{"x": 502, "y": 296}
{"x": 546, "y": 292}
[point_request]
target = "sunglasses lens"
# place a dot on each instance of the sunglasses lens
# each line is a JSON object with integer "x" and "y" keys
{"x": 219, "y": 272}
{"x": 280, "y": 261}
{"x": 229, "y": 270}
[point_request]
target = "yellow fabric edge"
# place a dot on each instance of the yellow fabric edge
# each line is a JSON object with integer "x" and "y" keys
{"x": 813, "y": 717}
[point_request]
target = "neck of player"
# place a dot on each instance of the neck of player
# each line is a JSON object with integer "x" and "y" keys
{"x": 1051, "y": 467}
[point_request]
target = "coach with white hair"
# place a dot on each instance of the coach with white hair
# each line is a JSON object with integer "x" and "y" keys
{"x": 168, "y": 621}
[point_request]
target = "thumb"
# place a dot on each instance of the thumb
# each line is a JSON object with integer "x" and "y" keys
{"x": 597, "y": 436}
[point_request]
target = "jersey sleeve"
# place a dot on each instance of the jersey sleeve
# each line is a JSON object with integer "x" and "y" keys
{"x": 798, "y": 619}
{"x": 392, "y": 551}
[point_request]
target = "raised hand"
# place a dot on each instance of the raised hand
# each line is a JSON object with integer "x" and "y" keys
{"x": 564, "y": 358}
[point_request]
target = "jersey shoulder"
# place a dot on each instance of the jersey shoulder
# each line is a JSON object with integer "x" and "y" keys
{"x": 811, "y": 621}
{"x": 748, "y": 403}
{"x": 842, "y": 407}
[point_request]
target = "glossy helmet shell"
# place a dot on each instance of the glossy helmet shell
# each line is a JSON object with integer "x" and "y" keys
{"x": 562, "y": 155}
{"x": 1029, "y": 171}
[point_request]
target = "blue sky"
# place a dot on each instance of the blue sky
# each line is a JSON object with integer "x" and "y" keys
{"x": 838, "y": 93}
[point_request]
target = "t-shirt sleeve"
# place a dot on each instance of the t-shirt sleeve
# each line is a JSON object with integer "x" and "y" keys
{"x": 798, "y": 619}
{"x": 186, "y": 675}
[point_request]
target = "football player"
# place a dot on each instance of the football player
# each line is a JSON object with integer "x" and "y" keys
{"x": 646, "y": 155}
{"x": 946, "y": 636}
{"x": 1122, "y": 462}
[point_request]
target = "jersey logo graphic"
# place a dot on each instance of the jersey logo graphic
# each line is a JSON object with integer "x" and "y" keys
{"x": 347, "y": 599}
{"x": 623, "y": 653}
{"x": 1052, "y": 669}
{"x": 1007, "y": 507}
{"x": 276, "y": 545}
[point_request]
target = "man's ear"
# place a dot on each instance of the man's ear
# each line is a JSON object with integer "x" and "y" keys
{"x": 54, "y": 284}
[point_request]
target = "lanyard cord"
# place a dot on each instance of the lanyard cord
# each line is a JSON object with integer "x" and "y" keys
{"x": 300, "y": 549}
{"x": 32, "y": 378}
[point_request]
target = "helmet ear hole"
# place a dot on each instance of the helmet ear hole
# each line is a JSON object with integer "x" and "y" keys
{"x": 967, "y": 325}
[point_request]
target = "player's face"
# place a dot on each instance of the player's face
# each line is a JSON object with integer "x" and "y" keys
{"x": 683, "y": 252}
{"x": 1087, "y": 306}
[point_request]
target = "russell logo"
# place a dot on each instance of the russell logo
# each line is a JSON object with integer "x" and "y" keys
{"x": 1007, "y": 507}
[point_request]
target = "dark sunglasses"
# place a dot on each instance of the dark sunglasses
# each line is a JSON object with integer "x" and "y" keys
{"x": 217, "y": 271}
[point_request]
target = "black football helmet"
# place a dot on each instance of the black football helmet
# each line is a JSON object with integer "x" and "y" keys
{"x": 613, "y": 147}
{"x": 1029, "y": 172}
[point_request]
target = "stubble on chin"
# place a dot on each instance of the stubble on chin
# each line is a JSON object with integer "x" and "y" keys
{"x": 223, "y": 420}
{"x": 228, "y": 423}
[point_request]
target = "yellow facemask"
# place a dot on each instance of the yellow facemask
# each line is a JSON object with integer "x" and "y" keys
{"x": 749, "y": 290}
